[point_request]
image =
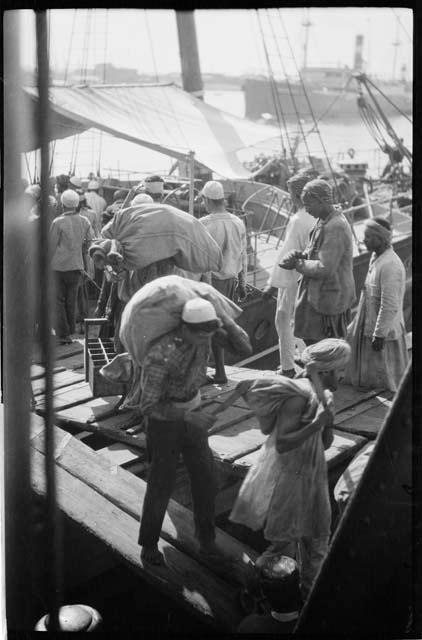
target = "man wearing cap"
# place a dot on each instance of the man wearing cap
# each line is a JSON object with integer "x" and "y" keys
{"x": 69, "y": 233}
{"x": 95, "y": 201}
{"x": 285, "y": 282}
{"x": 172, "y": 374}
{"x": 229, "y": 232}
{"x": 327, "y": 287}
{"x": 279, "y": 585}
{"x": 286, "y": 489}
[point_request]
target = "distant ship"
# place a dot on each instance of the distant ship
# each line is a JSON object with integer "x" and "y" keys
{"x": 323, "y": 93}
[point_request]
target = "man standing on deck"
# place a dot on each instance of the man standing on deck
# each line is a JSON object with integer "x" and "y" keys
{"x": 327, "y": 287}
{"x": 172, "y": 374}
{"x": 285, "y": 282}
{"x": 95, "y": 201}
{"x": 229, "y": 232}
{"x": 69, "y": 233}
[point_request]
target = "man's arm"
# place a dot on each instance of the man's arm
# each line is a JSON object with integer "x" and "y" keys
{"x": 288, "y": 437}
{"x": 329, "y": 255}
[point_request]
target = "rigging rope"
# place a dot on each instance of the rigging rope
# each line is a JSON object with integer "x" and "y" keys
{"x": 151, "y": 45}
{"x": 279, "y": 113}
{"x": 309, "y": 103}
{"x": 340, "y": 95}
{"x": 292, "y": 98}
{"x": 70, "y": 46}
{"x": 388, "y": 100}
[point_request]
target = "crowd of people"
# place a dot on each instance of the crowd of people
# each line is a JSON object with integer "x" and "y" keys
{"x": 285, "y": 493}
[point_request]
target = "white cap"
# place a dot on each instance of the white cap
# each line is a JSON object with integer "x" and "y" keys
{"x": 198, "y": 310}
{"x": 33, "y": 190}
{"x": 141, "y": 198}
{"x": 70, "y": 199}
{"x": 77, "y": 182}
{"x": 213, "y": 190}
{"x": 93, "y": 184}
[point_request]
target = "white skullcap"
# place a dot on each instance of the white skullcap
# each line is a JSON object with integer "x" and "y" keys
{"x": 198, "y": 310}
{"x": 141, "y": 198}
{"x": 70, "y": 199}
{"x": 33, "y": 190}
{"x": 327, "y": 355}
{"x": 213, "y": 190}
{"x": 93, "y": 184}
{"x": 77, "y": 182}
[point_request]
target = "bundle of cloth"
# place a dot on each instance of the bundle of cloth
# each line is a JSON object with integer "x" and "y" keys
{"x": 154, "y": 311}
{"x": 147, "y": 233}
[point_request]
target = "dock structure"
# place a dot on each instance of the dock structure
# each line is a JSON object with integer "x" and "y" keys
{"x": 102, "y": 468}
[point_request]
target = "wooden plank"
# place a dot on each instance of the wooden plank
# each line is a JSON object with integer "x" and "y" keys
{"x": 118, "y": 453}
{"x": 37, "y": 371}
{"x": 347, "y": 396}
{"x": 383, "y": 399}
{"x": 68, "y": 396}
{"x": 127, "y": 492}
{"x": 344, "y": 447}
{"x": 62, "y": 379}
{"x": 193, "y": 586}
{"x": 62, "y": 351}
{"x": 73, "y": 363}
{"x": 367, "y": 424}
{"x": 237, "y": 441}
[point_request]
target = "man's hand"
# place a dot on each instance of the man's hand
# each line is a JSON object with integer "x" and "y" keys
{"x": 201, "y": 419}
{"x": 378, "y": 344}
{"x": 241, "y": 292}
{"x": 290, "y": 259}
{"x": 269, "y": 292}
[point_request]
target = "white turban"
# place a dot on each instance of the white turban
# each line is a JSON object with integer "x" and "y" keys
{"x": 70, "y": 199}
{"x": 327, "y": 355}
{"x": 141, "y": 198}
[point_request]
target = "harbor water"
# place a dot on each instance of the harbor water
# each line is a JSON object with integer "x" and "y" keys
{"x": 119, "y": 159}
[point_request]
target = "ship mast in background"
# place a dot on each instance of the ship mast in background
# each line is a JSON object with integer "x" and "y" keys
{"x": 189, "y": 56}
{"x": 306, "y": 23}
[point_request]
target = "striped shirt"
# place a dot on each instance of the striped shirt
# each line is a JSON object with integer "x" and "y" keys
{"x": 173, "y": 370}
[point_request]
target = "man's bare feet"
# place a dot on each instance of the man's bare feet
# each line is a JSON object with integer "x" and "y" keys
{"x": 152, "y": 555}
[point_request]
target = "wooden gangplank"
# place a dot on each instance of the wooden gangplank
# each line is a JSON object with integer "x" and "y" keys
{"x": 105, "y": 500}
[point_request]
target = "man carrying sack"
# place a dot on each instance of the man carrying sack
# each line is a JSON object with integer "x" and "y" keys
{"x": 172, "y": 373}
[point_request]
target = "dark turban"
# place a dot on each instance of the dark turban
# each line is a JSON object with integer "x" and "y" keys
{"x": 319, "y": 189}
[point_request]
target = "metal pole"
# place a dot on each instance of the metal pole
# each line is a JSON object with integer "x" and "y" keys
{"x": 191, "y": 160}
{"x": 17, "y": 345}
{"x": 47, "y": 299}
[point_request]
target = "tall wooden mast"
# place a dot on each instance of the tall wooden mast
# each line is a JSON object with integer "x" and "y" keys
{"x": 189, "y": 56}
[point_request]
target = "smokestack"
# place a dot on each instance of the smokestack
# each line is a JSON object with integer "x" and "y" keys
{"x": 358, "y": 63}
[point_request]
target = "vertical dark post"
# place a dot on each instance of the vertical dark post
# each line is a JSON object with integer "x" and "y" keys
{"x": 358, "y": 61}
{"x": 17, "y": 341}
{"x": 189, "y": 56}
{"x": 52, "y": 520}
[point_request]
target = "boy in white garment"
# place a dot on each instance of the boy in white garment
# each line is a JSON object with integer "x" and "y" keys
{"x": 284, "y": 282}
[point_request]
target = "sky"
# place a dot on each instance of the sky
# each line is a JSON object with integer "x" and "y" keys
{"x": 229, "y": 41}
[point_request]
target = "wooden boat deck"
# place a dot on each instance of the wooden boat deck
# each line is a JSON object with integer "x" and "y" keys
{"x": 102, "y": 467}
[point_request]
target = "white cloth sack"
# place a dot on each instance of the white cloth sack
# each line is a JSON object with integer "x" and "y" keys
{"x": 252, "y": 504}
{"x": 151, "y": 232}
{"x": 156, "y": 309}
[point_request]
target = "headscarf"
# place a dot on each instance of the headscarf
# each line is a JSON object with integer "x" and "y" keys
{"x": 326, "y": 355}
{"x": 141, "y": 198}
{"x": 319, "y": 189}
{"x": 379, "y": 230}
{"x": 297, "y": 183}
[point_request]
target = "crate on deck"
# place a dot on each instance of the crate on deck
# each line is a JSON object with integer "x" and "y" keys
{"x": 98, "y": 353}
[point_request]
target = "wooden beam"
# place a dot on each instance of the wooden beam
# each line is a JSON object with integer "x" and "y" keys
{"x": 127, "y": 492}
{"x": 193, "y": 586}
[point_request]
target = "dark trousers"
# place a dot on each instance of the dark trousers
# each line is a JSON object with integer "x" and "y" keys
{"x": 165, "y": 442}
{"x": 67, "y": 283}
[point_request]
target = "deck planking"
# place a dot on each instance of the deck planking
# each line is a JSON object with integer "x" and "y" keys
{"x": 196, "y": 588}
{"x": 127, "y": 492}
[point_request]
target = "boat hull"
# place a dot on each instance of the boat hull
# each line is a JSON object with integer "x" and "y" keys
{"x": 331, "y": 103}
